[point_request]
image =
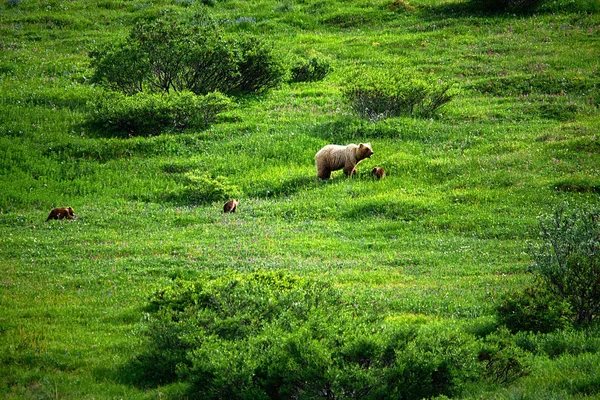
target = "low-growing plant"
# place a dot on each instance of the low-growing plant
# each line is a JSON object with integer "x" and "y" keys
{"x": 380, "y": 94}
{"x": 568, "y": 258}
{"x": 149, "y": 114}
{"x": 504, "y": 361}
{"x": 278, "y": 335}
{"x": 199, "y": 188}
{"x": 310, "y": 70}
{"x": 534, "y": 309}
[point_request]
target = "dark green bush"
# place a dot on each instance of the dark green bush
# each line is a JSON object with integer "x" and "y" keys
{"x": 378, "y": 94}
{"x": 311, "y": 70}
{"x": 504, "y": 361}
{"x": 149, "y": 114}
{"x": 534, "y": 309}
{"x": 258, "y": 67}
{"x": 275, "y": 335}
{"x": 170, "y": 54}
{"x": 502, "y": 5}
{"x": 568, "y": 258}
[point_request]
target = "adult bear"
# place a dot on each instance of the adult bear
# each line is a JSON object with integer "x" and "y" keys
{"x": 333, "y": 157}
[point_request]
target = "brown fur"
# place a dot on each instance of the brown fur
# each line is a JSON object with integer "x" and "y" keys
{"x": 378, "y": 172}
{"x": 61, "y": 213}
{"x": 231, "y": 206}
{"x": 333, "y": 157}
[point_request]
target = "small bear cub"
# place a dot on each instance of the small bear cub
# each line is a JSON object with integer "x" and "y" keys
{"x": 231, "y": 206}
{"x": 61, "y": 213}
{"x": 378, "y": 172}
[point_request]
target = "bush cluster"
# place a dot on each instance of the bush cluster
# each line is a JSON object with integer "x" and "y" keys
{"x": 272, "y": 335}
{"x": 170, "y": 54}
{"x": 150, "y": 113}
{"x": 380, "y": 94}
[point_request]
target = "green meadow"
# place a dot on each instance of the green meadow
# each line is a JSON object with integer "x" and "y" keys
{"x": 432, "y": 249}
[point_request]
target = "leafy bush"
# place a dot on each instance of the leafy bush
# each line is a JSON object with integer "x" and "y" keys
{"x": 277, "y": 335}
{"x": 381, "y": 94}
{"x": 534, "y": 309}
{"x": 168, "y": 54}
{"x": 311, "y": 70}
{"x": 504, "y": 361}
{"x": 568, "y": 259}
{"x": 149, "y": 114}
{"x": 258, "y": 67}
{"x": 200, "y": 189}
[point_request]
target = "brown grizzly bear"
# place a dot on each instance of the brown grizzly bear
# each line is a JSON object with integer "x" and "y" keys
{"x": 378, "y": 172}
{"x": 333, "y": 157}
{"x": 231, "y": 206}
{"x": 61, "y": 213}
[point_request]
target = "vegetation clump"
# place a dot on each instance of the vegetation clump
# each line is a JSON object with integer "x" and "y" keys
{"x": 380, "y": 94}
{"x": 313, "y": 69}
{"x": 169, "y": 54}
{"x": 568, "y": 259}
{"x": 150, "y": 113}
{"x": 278, "y": 335}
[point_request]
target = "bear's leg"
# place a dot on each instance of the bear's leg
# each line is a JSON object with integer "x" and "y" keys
{"x": 349, "y": 170}
{"x": 324, "y": 173}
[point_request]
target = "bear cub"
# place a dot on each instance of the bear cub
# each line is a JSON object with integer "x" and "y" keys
{"x": 231, "y": 206}
{"x": 378, "y": 172}
{"x": 61, "y": 213}
{"x": 333, "y": 157}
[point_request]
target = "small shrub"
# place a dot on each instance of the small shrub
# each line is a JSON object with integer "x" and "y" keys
{"x": 534, "y": 309}
{"x": 149, "y": 114}
{"x": 311, "y": 70}
{"x": 568, "y": 259}
{"x": 382, "y": 94}
{"x": 200, "y": 189}
{"x": 259, "y": 68}
{"x": 503, "y": 360}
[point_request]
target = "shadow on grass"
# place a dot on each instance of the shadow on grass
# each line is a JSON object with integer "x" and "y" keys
{"x": 284, "y": 188}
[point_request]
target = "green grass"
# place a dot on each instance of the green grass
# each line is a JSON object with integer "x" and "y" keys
{"x": 443, "y": 236}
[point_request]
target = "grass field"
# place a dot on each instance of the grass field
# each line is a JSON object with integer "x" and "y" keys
{"x": 440, "y": 240}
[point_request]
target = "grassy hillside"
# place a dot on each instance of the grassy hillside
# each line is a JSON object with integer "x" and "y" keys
{"x": 438, "y": 242}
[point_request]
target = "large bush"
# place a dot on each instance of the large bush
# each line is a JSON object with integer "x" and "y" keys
{"x": 170, "y": 54}
{"x": 379, "y": 94}
{"x": 273, "y": 335}
{"x": 149, "y": 114}
{"x": 568, "y": 258}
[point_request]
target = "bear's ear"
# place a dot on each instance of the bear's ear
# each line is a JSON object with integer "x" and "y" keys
{"x": 360, "y": 145}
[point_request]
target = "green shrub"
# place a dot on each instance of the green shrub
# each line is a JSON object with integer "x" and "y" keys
{"x": 380, "y": 94}
{"x": 149, "y": 114}
{"x": 501, "y": 5}
{"x": 311, "y": 70}
{"x": 258, "y": 67}
{"x": 199, "y": 189}
{"x": 568, "y": 259}
{"x": 534, "y": 309}
{"x": 169, "y": 54}
{"x": 277, "y": 335}
{"x": 504, "y": 361}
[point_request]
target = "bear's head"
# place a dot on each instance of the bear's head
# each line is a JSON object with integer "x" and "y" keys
{"x": 364, "y": 151}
